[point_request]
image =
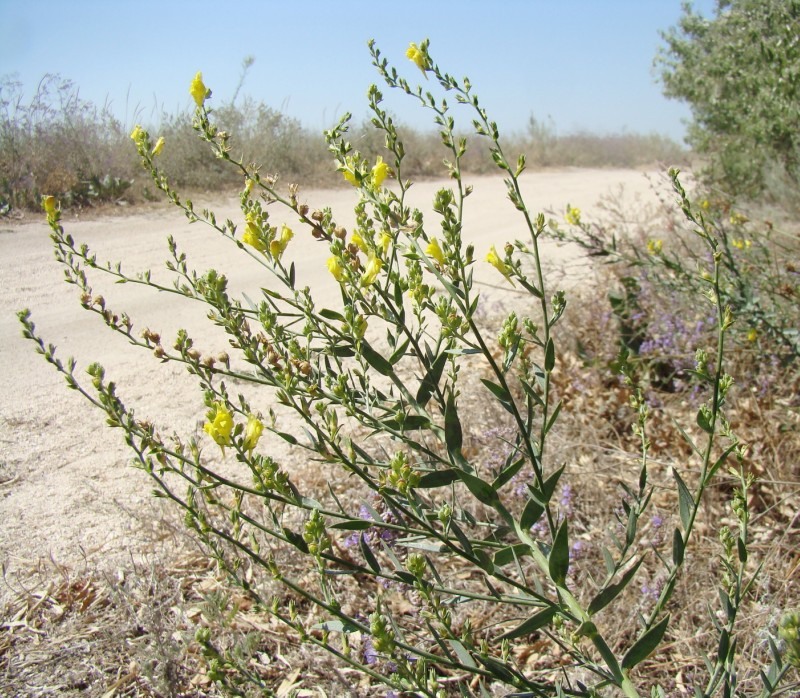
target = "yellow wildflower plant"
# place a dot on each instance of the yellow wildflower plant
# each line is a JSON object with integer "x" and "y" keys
{"x": 219, "y": 425}
{"x": 335, "y": 267}
{"x": 374, "y": 266}
{"x": 752, "y": 334}
{"x": 349, "y": 171}
{"x": 252, "y": 433}
{"x": 359, "y": 242}
{"x": 50, "y": 205}
{"x": 493, "y": 258}
{"x": 654, "y": 247}
{"x": 419, "y": 56}
{"x": 385, "y": 243}
{"x": 379, "y": 173}
{"x": 434, "y": 249}
{"x": 742, "y": 244}
{"x": 278, "y": 246}
{"x": 200, "y": 93}
{"x": 138, "y": 133}
{"x": 158, "y": 147}
{"x": 252, "y": 237}
{"x": 573, "y": 215}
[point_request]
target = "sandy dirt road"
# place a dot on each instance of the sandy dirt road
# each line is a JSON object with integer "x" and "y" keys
{"x": 67, "y": 491}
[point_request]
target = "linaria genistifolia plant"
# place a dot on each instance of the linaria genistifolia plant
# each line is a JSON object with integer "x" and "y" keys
{"x": 454, "y": 569}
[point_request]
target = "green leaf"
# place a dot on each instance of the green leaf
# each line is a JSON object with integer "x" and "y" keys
{"x": 369, "y": 556}
{"x": 296, "y": 540}
{"x": 677, "y": 547}
{"x": 553, "y": 417}
{"x": 463, "y": 655}
{"x": 549, "y": 355}
{"x": 354, "y": 525}
{"x": 531, "y": 625}
{"x": 506, "y": 556}
{"x": 480, "y": 489}
{"x": 645, "y": 645}
{"x": 287, "y": 437}
{"x": 291, "y": 275}
{"x": 607, "y": 595}
{"x": 461, "y": 537}
{"x": 431, "y": 380}
{"x": 375, "y": 360}
{"x": 498, "y": 391}
{"x": 704, "y": 421}
{"x": 332, "y": 315}
{"x": 558, "y": 561}
{"x": 344, "y": 351}
{"x": 508, "y": 473}
{"x": 531, "y": 514}
{"x": 410, "y": 422}
{"x": 685, "y": 500}
{"x": 336, "y": 626}
{"x": 438, "y": 478}
{"x": 453, "y": 435}
{"x": 399, "y": 353}
{"x": 530, "y": 391}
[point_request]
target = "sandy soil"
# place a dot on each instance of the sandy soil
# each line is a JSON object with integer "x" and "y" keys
{"x": 67, "y": 491}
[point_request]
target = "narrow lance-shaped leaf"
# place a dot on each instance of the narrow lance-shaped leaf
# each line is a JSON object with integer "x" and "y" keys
{"x": 607, "y": 595}
{"x": 685, "y": 500}
{"x": 531, "y": 625}
{"x": 558, "y": 562}
{"x": 375, "y": 360}
{"x": 645, "y": 645}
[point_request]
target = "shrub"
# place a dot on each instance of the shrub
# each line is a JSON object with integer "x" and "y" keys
{"x": 432, "y": 562}
{"x": 738, "y": 72}
{"x": 61, "y": 145}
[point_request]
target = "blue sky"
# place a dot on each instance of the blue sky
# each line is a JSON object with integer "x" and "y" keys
{"x": 585, "y": 64}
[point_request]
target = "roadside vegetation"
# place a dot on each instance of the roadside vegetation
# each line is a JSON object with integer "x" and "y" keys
{"x": 588, "y": 492}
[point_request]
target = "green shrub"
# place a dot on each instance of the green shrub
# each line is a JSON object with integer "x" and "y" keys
{"x": 739, "y": 72}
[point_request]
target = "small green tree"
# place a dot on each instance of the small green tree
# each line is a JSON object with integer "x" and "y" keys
{"x": 740, "y": 73}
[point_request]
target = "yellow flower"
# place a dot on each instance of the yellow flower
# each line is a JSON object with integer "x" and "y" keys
{"x": 138, "y": 134}
{"x": 379, "y": 172}
{"x": 654, "y": 246}
{"x": 419, "y": 56}
{"x": 252, "y": 237}
{"x": 335, "y": 267}
{"x": 705, "y": 204}
{"x": 358, "y": 241}
{"x": 252, "y": 433}
{"x": 248, "y": 186}
{"x": 739, "y": 219}
{"x": 200, "y": 93}
{"x": 278, "y": 245}
{"x": 348, "y": 172}
{"x": 434, "y": 250}
{"x": 742, "y": 244}
{"x": 386, "y": 241}
{"x": 219, "y": 425}
{"x": 499, "y": 264}
{"x": 159, "y": 146}
{"x": 49, "y": 204}
{"x": 374, "y": 266}
{"x": 752, "y": 334}
{"x": 573, "y": 215}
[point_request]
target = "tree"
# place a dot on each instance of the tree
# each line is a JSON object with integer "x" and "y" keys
{"x": 740, "y": 73}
